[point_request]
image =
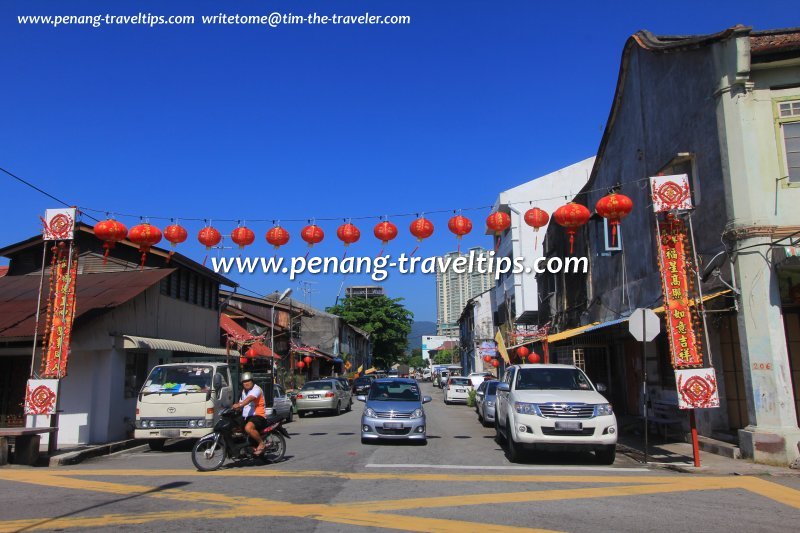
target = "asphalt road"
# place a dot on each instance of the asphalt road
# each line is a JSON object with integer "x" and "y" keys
{"x": 461, "y": 480}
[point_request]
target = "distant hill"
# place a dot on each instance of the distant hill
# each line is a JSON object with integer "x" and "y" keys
{"x": 418, "y": 329}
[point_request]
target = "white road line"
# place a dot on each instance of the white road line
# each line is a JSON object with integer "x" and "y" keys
{"x": 496, "y": 467}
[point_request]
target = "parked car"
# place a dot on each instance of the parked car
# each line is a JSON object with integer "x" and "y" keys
{"x": 478, "y": 377}
{"x": 323, "y": 395}
{"x": 485, "y": 399}
{"x": 426, "y": 374}
{"x": 554, "y": 407}
{"x": 343, "y": 380}
{"x": 441, "y": 378}
{"x": 361, "y": 385}
{"x": 457, "y": 390}
{"x": 282, "y": 403}
{"x": 394, "y": 410}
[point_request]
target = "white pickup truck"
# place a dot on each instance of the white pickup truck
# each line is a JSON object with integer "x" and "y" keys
{"x": 554, "y": 407}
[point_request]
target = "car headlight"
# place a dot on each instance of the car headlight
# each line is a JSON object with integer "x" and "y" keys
{"x": 603, "y": 409}
{"x": 200, "y": 423}
{"x": 524, "y": 408}
{"x": 489, "y": 403}
{"x": 192, "y": 423}
{"x": 369, "y": 412}
{"x": 417, "y": 413}
{"x": 141, "y": 423}
{"x": 152, "y": 424}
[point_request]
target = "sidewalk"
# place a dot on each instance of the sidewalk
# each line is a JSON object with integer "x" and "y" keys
{"x": 676, "y": 455}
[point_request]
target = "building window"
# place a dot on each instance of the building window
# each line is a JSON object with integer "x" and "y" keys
{"x": 788, "y": 124}
{"x": 135, "y": 372}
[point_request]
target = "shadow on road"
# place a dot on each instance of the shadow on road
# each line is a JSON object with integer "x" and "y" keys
{"x": 166, "y": 486}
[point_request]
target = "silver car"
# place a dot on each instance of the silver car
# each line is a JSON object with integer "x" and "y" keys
{"x": 394, "y": 411}
{"x": 282, "y": 403}
{"x": 485, "y": 399}
{"x": 323, "y": 395}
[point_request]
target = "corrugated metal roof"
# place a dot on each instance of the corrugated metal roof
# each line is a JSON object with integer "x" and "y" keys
{"x": 132, "y": 342}
{"x": 18, "y": 296}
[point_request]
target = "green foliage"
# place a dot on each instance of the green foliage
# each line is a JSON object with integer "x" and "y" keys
{"x": 386, "y": 320}
{"x": 444, "y": 357}
{"x": 417, "y": 362}
{"x": 471, "y": 395}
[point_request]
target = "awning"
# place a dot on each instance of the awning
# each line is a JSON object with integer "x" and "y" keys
{"x": 598, "y": 325}
{"x": 262, "y": 350}
{"x": 131, "y": 342}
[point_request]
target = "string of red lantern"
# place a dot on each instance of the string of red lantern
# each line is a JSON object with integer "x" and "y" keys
{"x": 175, "y": 234}
{"x": 243, "y": 236}
{"x": 536, "y": 218}
{"x": 421, "y": 228}
{"x": 460, "y": 225}
{"x": 110, "y": 232}
{"x": 348, "y": 233}
{"x": 614, "y": 207}
{"x": 144, "y": 235}
{"x": 277, "y": 237}
{"x": 571, "y": 216}
{"x": 385, "y": 231}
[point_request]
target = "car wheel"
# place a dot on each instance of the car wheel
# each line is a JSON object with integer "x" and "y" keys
{"x": 515, "y": 452}
{"x": 606, "y": 455}
{"x": 338, "y": 408}
{"x": 350, "y": 405}
{"x": 301, "y": 414}
{"x": 498, "y": 435}
{"x": 290, "y": 417}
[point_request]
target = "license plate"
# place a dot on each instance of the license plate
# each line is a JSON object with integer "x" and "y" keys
{"x": 569, "y": 426}
{"x": 392, "y": 425}
{"x": 170, "y": 433}
{"x": 460, "y": 390}
{"x": 313, "y": 396}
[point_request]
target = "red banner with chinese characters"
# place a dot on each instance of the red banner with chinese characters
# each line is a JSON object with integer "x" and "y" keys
{"x": 60, "y": 310}
{"x": 680, "y": 317}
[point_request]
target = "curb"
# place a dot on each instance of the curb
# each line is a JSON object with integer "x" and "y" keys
{"x": 73, "y": 458}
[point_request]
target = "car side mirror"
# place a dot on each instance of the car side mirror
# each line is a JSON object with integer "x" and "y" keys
{"x": 217, "y": 381}
{"x": 361, "y": 398}
{"x": 601, "y": 387}
{"x": 503, "y": 387}
{"x": 427, "y": 399}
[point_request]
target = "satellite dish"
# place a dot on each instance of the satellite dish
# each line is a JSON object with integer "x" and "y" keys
{"x": 716, "y": 262}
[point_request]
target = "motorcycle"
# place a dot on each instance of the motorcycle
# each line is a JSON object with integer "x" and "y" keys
{"x": 229, "y": 440}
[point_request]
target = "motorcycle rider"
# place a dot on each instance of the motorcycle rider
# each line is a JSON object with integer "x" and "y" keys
{"x": 253, "y": 410}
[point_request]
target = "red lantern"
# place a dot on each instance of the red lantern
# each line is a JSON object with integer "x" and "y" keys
{"x": 175, "y": 234}
{"x": 209, "y": 237}
{"x": 277, "y": 237}
{"x": 421, "y": 228}
{"x": 536, "y": 218}
{"x": 307, "y": 359}
{"x": 460, "y": 225}
{"x": 534, "y": 358}
{"x": 145, "y": 235}
{"x": 522, "y": 352}
{"x": 614, "y": 207}
{"x": 495, "y": 363}
{"x": 487, "y": 358}
{"x": 498, "y": 222}
{"x": 385, "y": 231}
{"x": 251, "y": 352}
{"x": 243, "y": 236}
{"x": 110, "y": 232}
{"x": 300, "y": 365}
{"x": 348, "y": 233}
{"x": 243, "y": 360}
{"x": 312, "y": 234}
{"x": 571, "y": 216}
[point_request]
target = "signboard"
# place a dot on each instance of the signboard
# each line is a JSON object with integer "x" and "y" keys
{"x": 40, "y": 397}
{"x": 671, "y": 193}
{"x": 686, "y": 353}
{"x": 59, "y": 224}
{"x": 697, "y": 388}
{"x": 644, "y": 325}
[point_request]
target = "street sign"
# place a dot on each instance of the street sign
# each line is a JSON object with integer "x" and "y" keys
{"x": 644, "y": 325}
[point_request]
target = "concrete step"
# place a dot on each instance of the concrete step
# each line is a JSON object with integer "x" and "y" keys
{"x": 719, "y": 447}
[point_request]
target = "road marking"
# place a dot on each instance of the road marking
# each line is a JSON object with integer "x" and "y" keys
{"x": 500, "y": 467}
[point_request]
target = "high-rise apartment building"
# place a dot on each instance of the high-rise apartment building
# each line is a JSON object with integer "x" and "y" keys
{"x": 364, "y": 291}
{"x": 454, "y": 289}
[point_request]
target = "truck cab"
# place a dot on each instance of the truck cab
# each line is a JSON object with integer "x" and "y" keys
{"x": 182, "y": 400}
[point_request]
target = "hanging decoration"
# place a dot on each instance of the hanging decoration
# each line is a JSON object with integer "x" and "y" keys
{"x": 681, "y": 318}
{"x": 671, "y": 193}
{"x": 495, "y": 363}
{"x": 697, "y": 388}
{"x": 41, "y": 396}
{"x": 300, "y": 365}
{"x": 243, "y": 236}
{"x": 385, "y": 231}
{"x": 348, "y": 233}
{"x": 614, "y": 207}
{"x": 522, "y": 352}
{"x": 536, "y": 218}
{"x": 209, "y": 237}
{"x": 487, "y": 358}
{"x": 277, "y": 237}
{"x": 59, "y": 224}
{"x": 252, "y": 352}
{"x": 60, "y": 310}
{"x": 243, "y": 360}
{"x": 571, "y": 216}
{"x": 460, "y": 225}
{"x": 534, "y": 358}
{"x": 421, "y": 228}
{"x": 498, "y": 222}
{"x": 307, "y": 359}
{"x": 175, "y": 234}
{"x": 110, "y": 232}
{"x": 312, "y": 234}
{"x": 144, "y": 235}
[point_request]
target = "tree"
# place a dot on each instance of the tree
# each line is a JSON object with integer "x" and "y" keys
{"x": 417, "y": 362}
{"x": 444, "y": 357}
{"x": 386, "y": 320}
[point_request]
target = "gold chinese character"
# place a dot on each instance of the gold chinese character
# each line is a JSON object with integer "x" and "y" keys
{"x": 677, "y": 294}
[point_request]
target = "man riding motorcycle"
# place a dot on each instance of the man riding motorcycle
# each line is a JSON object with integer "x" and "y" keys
{"x": 253, "y": 410}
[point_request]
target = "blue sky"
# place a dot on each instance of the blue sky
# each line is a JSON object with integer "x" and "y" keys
{"x": 246, "y": 122}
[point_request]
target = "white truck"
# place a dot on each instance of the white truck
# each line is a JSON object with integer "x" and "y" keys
{"x": 554, "y": 407}
{"x": 182, "y": 400}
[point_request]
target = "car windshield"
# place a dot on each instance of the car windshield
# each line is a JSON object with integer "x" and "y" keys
{"x": 551, "y": 379}
{"x": 460, "y": 381}
{"x": 189, "y": 378}
{"x": 362, "y": 381}
{"x": 318, "y": 385}
{"x": 394, "y": 392}
{"x": 491, "y": 388}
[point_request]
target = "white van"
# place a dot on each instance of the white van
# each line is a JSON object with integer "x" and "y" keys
{"x": 182, "y": 400}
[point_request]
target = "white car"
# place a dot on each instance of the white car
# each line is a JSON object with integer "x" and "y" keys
{"x": 476, "y": 378}
{"x": 457, "y": 390}
{"x": 553, "y": 407}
